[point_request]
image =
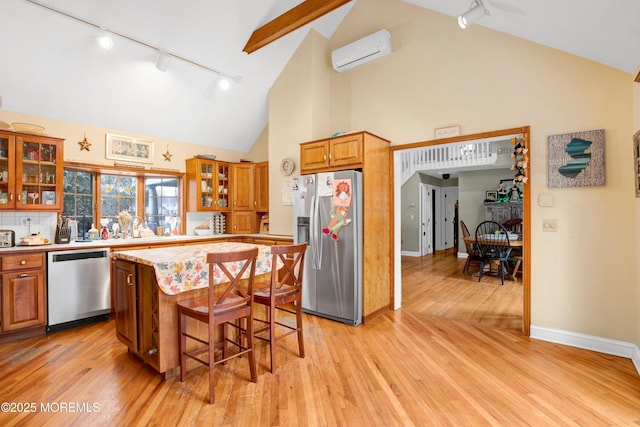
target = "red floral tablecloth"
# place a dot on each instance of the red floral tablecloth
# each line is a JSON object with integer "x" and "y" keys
{"x": 183, "y": 268}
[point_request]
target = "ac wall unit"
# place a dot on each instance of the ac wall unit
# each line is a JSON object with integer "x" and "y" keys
{"x": 361, "y": 51}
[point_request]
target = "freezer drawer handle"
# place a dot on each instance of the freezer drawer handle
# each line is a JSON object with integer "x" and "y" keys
{"x": 23, "y": 275}
{"x": 129, "y": 281}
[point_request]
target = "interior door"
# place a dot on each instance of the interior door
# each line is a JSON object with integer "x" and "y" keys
{"x": 449, "y": 199}
{"x": 426, "y": 219}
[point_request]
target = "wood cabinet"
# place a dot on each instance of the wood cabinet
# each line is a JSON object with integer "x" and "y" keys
{"x": 242, "y": 186}
{"x": 261, "y": 187}
{"x": 243, "y": 217}
{"x": 23, "y": 291}
{"x": 501, "y": 212}
{"x": 372, "y": 155}
{"x": 31, "y": 172}
{"x": 208, "y": 185}
{"x": 123, "y": 283}
{"x": 343, "y": 152}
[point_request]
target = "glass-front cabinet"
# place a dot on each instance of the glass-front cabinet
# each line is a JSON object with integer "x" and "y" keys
{"x": 208, "y": 185}
{"x": 31, "y": 171}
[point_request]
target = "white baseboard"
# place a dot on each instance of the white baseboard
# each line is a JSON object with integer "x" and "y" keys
{"x": 589, "y": 342}
{"x": 411, "y": 253}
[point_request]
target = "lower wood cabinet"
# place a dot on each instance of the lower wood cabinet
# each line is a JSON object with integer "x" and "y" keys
{"x": 23, "y": 292}
{"x": 123, "y": 276}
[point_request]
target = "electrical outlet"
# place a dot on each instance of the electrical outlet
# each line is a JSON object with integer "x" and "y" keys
{"x": 550, "y": 225}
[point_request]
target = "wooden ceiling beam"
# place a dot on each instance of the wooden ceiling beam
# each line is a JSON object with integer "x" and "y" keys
{"x": 291, "y": 20}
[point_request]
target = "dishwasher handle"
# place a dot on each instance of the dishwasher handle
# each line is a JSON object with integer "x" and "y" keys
{"x": 79, "y": 255}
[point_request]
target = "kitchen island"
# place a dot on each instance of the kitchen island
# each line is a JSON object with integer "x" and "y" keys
{"x": 147, "y": 283}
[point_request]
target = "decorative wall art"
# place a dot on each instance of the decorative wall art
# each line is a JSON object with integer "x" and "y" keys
{"x": 576, "y": 159}
{"x": 129, "y": 149}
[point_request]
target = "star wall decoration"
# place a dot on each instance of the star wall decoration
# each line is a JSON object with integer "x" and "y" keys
{"x": 84, "y": 144}
{"x": 167, "y": 155}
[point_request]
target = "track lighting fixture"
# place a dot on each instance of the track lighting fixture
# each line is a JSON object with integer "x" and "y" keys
{"x": 474, "y": 13}
{"x": 224, "y": 83}
{"x": 162, "y": 63}
{"x": 105, "y": 40}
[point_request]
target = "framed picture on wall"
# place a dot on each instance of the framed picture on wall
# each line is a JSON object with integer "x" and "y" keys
{"x": 491, "y": 196}
{"x": 129, "y": 149}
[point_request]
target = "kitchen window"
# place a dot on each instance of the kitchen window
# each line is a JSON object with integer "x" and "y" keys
{"x": 78, "y": 195}
{"x": 101, "y": 193}
{"x": 117, "y": 194}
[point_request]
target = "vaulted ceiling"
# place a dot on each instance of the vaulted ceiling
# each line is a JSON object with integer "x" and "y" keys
{"x": 51, "y": 66}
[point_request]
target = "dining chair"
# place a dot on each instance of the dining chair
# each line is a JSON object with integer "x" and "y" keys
{"x": 228, "y": 303}
{"x": 473, "y": 255}
{"x": 514, "y": 225}
{"x": 283, "y": 295}
{"x": 492, "y": 240}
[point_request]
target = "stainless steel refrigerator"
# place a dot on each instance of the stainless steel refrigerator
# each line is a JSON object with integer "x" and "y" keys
{"x": 327, "y": 212}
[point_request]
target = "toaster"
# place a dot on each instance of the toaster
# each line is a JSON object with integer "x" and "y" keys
{"x": 7, "y": 238}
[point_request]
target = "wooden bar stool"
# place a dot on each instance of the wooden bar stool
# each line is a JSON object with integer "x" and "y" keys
{"x": 227, "y": 304}
{"x": 284, "y": 294}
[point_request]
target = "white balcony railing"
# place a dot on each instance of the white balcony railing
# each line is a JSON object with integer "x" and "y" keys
{"x": 458, "y": 155}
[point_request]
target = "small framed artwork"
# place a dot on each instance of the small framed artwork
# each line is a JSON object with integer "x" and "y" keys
{"x": 129, "y": 149}
{"x": 491, "y": 196}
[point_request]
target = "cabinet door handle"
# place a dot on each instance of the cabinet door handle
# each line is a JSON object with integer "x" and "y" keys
{"x": 324, "y": 157}
{"x": 129, "y": 281}
{"x": 11, "y": 197}
{"x": 23, "y": 275}
{"x": 19, "y": 197}
{"x": 329, "y": 156}
{"x": 23, "y": 262}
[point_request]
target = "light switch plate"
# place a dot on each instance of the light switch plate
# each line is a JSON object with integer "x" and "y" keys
{"x": 550, "y": 225}
{"x": 546, "y": 200}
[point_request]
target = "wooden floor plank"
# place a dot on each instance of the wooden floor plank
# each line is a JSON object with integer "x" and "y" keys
{"x": 453, "y": 355}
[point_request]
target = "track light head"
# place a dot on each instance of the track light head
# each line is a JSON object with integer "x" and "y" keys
{"x": 162, "y": 63}
{"x": 224, "y": 83}
{"x": 104, "y": 40}
{"x": 474, "y": 13}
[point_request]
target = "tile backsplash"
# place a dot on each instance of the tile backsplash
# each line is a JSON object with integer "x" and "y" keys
{"x": 24, "y": 223}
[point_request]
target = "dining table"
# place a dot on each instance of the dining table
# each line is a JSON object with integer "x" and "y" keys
{"x": 517, "y": 243}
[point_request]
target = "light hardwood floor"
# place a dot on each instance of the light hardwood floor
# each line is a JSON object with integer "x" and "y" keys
{"x": 453, "y": 355}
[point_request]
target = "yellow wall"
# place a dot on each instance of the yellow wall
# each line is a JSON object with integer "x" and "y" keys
{"x": 583, "y": 277}
{"x": 260, "y": 150}
{"x": 74, "y": 132}
{"x": 298, "y": 111}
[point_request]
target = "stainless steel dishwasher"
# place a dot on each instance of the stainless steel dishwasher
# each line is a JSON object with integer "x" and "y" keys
{"x": 78, "y": 287}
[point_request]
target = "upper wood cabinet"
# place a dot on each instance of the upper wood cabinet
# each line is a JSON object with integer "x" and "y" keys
{"x": 31, "y": 172}
{"x": 208, "y": 185}
{"x": 261, "y": 188}
{"x": 341, "y": 152}
{"x": 242, "y": 186}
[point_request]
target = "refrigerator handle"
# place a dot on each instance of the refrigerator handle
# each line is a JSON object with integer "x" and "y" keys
{"x": 315, "y": 246}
